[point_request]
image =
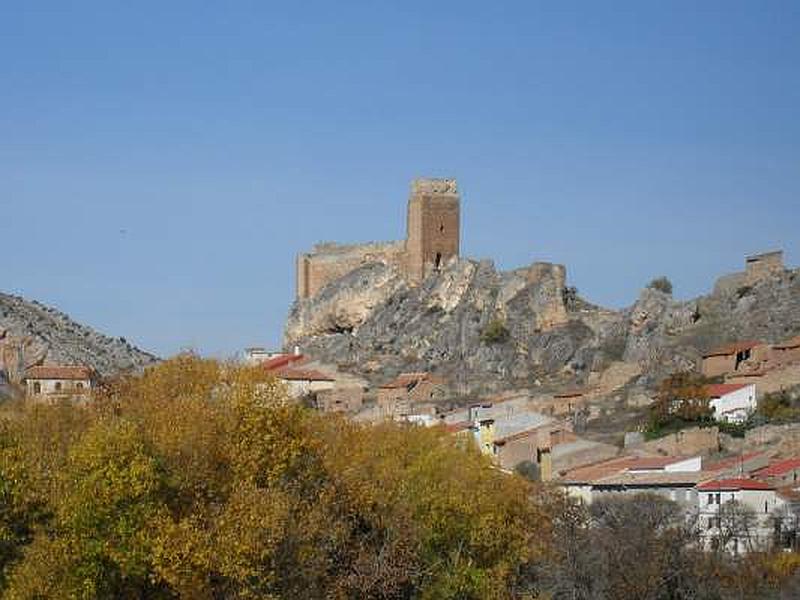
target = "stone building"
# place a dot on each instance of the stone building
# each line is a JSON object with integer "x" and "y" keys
{"x": 51, "y": 383}
{"x": 433, "y": 238}
{"x": 757, "y": 267}
{"x": 734, "y": 358}
{"x": 398, "y": 397}
{"x": 340, "y": 399}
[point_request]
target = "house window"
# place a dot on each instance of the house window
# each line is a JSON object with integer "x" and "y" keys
{"x": 718, "y": 498}
{"x": 79, "y": 385}
{"x": 58, "y": 386}
{"x": 438, "y": 261}
{"x": 711, "y": 499}
{"x": 37, "y": 388}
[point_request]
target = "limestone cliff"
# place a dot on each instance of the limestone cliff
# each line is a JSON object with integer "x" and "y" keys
{"x": 31, "y": 334}
{"x": 372, "y": 322}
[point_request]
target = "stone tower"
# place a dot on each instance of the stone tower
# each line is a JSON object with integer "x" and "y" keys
{"x": 433, "y": 226}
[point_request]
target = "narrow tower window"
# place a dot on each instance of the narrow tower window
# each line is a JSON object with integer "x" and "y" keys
{"x": 437, "y": 261}
{"x": 441, "y": 228}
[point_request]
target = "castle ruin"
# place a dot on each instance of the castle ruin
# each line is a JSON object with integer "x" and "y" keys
{"x": 432, "y": 239}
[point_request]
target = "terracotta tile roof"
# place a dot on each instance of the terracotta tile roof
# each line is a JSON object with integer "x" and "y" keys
{"x": 595, "y": 471}
{"x": 733, "y": 461}
{"x": 405, "y": 380}
{"x": 717, "y": 390}
{"x": 627, "y": 465}
{"x": 779, "y": 468}
{"x": 279, "y": 362}
{"x": 734, "y": 484}
{"x": 299, "y": 374}
{"x": 59, "y": 372}
{"x": 732, "y": 348}
{"x": 789, "y": 344}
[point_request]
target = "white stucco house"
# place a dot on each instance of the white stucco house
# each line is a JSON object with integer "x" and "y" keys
{"x": 721, "y": 506}
{"x": 732, "y": 402}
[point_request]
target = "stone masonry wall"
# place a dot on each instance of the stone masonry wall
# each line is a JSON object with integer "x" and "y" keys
{"x": 433, "y": 226}
{"x": 329, "y": 262}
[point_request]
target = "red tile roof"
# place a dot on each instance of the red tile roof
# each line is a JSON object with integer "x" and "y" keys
{"x": 733, "y": 461}
{"x": 59, "y": 372}
{"x": 779, "y": 468}
{"x": 279, "y": 362}
{"x": 298, "y": 374}
{"x": 732, "y": 348}
{"x": 734, "y": 484}
{"x": 717, "y": 390}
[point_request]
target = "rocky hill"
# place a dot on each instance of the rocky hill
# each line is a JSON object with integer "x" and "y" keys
{"x": 31, "y": 334}
{"x": 490, "y": 330}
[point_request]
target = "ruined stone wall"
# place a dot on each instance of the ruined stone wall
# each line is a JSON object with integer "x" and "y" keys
{"x": 328, "y": 262}
{"x": 760, "y": 266}
{"x": 433, "y": 226}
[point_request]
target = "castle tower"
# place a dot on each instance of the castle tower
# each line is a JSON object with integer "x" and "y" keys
{"x": 433, "y": 226}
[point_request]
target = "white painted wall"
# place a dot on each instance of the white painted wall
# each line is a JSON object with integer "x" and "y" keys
{"x": 736, "y": 406}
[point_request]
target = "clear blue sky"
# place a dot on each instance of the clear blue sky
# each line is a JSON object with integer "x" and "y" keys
{"x": 161, "y": 163}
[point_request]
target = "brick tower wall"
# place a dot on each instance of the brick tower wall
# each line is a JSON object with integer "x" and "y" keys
{"x": 433, "y": 226}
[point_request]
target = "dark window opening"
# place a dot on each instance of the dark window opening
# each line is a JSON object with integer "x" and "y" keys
{"x": 437, "y": 261}
{"x": 441, "y": 228}
{"x": 37, "y": 388}
{"x": 79, "y": 385}
{"x": 58, "y": 386}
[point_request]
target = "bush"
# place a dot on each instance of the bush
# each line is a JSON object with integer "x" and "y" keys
{"x": 662, "y": 284}
{"x": 203, "y": 480}
{"x": 495, "y": 332}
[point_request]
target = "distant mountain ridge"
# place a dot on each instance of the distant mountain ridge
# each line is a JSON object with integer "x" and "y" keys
{"x": 32, "y": 333}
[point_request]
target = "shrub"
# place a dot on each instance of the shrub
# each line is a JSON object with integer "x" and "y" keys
{"x": 495, "y": 332}
{"x": 662, "y": 284}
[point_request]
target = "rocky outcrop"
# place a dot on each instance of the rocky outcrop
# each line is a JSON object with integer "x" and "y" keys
{"x": 373, "y": 323}
{"x": 32, "y": 334}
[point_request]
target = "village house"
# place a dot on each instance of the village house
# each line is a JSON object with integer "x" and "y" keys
{"x": 50, "y": 383}
{"x": 673, "y": 477}
{"x": 721, "y": 504}
{"x": 340, "y": 399}
{"x": 736, "y": 358}
{"x": 303, "y": 382}
{"x": 257, "y": 355}
{"x": 400, "y": 397}
{"x": 526, "y": 436}
{"x": 732, "y": 402}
